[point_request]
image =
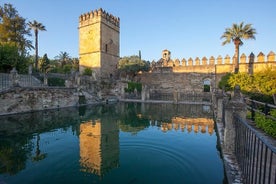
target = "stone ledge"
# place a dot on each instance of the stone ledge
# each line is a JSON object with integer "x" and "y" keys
{"x": 232, "y": 170}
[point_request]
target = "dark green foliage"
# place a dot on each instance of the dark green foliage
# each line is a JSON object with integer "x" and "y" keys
{"x": 133, "y": 64}
{"x": 9, "y": 58}
{"x": 259, "y": 97}
{"x": 273, "y": 113}
{"x": 45, "y": 64}
{"x": 206, "y": 88}
{"x": 67, "y": 68}
{"x": 131, "y": 86}
{"x": 266, "y": 124}
{"x": 223, "y": 83}
{"x": 87, "y": 71}
{"x": 56, "y": 82}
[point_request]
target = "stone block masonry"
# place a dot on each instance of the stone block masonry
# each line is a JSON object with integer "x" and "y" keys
{"x": 99, "y": 42}
{"x": 18, "y": 100}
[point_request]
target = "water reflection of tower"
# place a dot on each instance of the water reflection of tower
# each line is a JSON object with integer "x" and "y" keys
{"x": 99, "y": 146}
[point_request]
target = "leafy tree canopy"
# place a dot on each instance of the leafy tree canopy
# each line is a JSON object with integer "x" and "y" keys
{"x": 133, "y": 64}
{"x": 260, "y": 85}
{"x": 45, "y": 64}
{"x": 13, "y": 29}
{"x": 9, "y": 58}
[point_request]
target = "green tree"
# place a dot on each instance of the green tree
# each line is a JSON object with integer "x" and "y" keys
{"x": 13, "y": 29}
{"x": 10, "y": 57}
{"x": 236, "y": 34}
{"x": 64, "y": 58}
{"x": 45, "y": 64}
{"x": 36, "y": 26}
{"x": 260, "y": 86}
{"x": 75, "y": 63}
{"x": 133, "y": 64}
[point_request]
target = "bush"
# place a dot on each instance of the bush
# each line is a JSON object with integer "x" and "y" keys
{"x": 131, "y": 86}
{"x": 56, "y": 82}
{"x": 87, "y": 71}
{"x": 224, "y": 84}
{"x": 266, "y": 124}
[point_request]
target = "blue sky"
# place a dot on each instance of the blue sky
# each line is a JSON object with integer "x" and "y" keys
{"x": 188, "y": 28}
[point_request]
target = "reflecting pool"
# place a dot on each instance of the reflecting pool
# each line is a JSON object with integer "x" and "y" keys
{"x": 118, "y": 143}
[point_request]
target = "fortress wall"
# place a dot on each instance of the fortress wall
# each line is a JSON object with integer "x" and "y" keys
{"x": 219, "y": 65}
{"x": 169, "y": 82}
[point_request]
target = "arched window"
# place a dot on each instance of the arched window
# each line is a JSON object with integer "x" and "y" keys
{"x": 206, "y": 85}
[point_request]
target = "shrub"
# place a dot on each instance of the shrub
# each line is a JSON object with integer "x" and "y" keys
{"x": 131, "y": 86}
{"x": 87, "y": 71}
{"x": 266, "y": 124}
{"x": 224, "y": 84}
{"x": 56, "y": 82}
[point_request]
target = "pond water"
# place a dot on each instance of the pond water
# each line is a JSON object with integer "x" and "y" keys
{"x": 119, "y": 143}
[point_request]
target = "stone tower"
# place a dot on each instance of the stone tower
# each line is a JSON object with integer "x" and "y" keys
{"x": 166, "y": 55}
{"x": 99, "y": 42}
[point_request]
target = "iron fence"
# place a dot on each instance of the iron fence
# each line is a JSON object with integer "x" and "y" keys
{"x": 255, "y": 155}
{"x": 28, "y": 81}
{"x": 259, "y": 107}
{"x": 5, "y": 82}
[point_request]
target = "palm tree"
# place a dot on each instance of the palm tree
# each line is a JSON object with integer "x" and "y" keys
{"x": 36, "y": 26}
{"x": 63, "y": 58}
{"x": 236, "y": 34}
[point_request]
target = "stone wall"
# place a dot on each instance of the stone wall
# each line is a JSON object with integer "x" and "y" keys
{"x": 18, "y": 99}
{"x": 168, "y": 82}
{"x": 219, "y": 65}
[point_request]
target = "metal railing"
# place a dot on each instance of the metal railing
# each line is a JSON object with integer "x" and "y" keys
{"x": 255, "y": 155}
{"x": 259, "y": 107}
{"x": 7, "y": 81}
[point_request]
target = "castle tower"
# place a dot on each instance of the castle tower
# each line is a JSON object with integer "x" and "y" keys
{"x": 166, "y": 55}
{"x": 99, "y": 42}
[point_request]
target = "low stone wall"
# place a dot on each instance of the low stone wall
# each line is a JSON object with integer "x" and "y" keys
{"x": 18, "y": 99}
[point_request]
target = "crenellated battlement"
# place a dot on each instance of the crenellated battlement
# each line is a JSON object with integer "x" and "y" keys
{"x": 99, "y": 42}
{"x": 219, "y": 65}
{"x": 101, "y": 14}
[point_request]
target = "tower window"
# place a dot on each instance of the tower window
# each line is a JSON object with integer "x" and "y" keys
{"x": 105, "y": 47}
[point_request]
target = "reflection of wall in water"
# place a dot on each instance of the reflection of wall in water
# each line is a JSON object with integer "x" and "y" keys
{"x": 195, "y": 124}
{"x": 167, "y": 111}
{"x": 99, "y": 146}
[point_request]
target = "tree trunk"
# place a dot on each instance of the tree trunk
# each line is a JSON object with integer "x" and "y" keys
{"x": 237, "y": 54}
{"x": 36, "y": 50}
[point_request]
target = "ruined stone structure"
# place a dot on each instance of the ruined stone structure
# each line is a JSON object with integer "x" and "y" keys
{"x": 99, "y": 42}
